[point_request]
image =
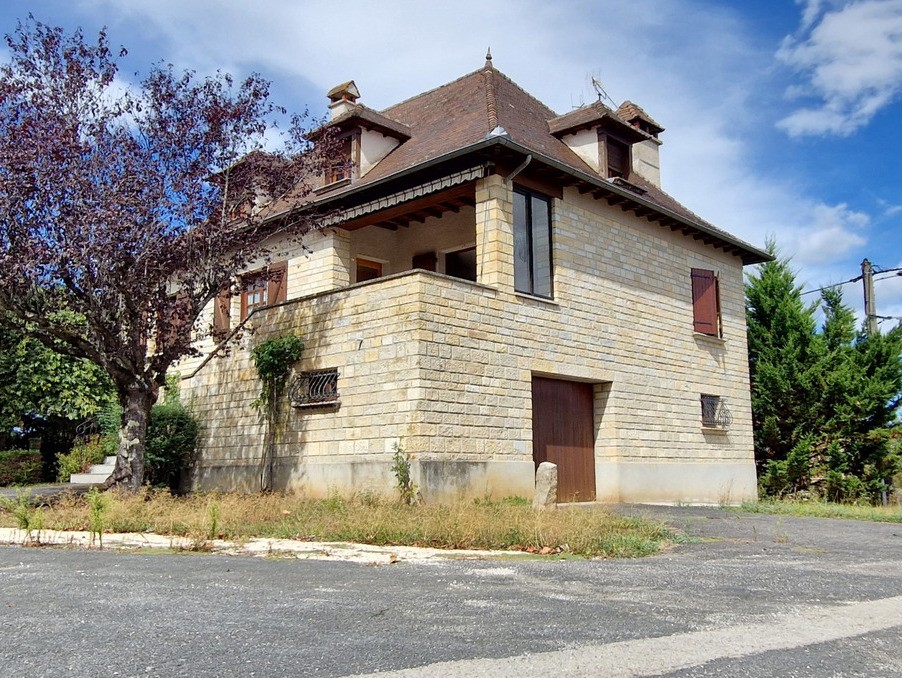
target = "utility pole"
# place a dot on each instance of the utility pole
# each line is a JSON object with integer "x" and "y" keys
{"x": 870, "y": 303}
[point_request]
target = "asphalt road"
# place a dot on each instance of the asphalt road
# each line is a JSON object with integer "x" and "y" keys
{"x": 751, "y": 596}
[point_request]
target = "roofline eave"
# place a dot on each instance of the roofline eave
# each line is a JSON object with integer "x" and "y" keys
{"x": 750, "y": 254}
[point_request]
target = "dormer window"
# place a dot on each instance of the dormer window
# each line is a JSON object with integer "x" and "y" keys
{"x": 341, "y": 167}
{"x": 618, "y": 158}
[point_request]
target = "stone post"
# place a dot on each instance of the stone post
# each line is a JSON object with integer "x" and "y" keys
{"x": 546, "y": 486}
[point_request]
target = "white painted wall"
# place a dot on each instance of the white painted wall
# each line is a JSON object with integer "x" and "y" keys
{"x": 585, "y": 144}
{"x": 373, "y": 147}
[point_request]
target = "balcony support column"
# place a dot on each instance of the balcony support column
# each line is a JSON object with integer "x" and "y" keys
{"x": 494, "y": 233}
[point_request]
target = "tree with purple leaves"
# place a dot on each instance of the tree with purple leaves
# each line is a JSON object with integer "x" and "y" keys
{"x": 125, "y": 209}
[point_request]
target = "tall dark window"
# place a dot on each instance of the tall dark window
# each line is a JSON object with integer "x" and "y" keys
{"x": 532, "y": 243}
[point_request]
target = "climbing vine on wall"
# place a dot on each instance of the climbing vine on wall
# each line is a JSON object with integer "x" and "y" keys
{"x": 273, "y": 359}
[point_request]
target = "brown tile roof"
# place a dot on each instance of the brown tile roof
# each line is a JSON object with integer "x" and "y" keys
{"x": 370, "y": 119}
{"x": 590, "y": 116}
{"x": 630, "y": 111}
{"x": 462, "y": 113}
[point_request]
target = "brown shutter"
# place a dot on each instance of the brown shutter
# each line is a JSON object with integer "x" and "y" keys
{"x": 618, "y": 159}
{"x": 222, "y": 309}
{"x": 426, "y": 261}
{"x": 704, "y": 301}
{"x": 278, "y": 283}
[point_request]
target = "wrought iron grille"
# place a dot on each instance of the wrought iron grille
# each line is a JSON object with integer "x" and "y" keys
{"x": 715, "y": 412}
{"x": 317, "y": 387}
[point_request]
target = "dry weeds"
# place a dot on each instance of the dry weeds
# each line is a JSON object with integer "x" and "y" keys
{"x": 505, "y": 524}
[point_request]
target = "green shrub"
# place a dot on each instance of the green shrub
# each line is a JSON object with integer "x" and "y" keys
{"x": 788, "y": 476}
{"x": 20, "y": 467}
{"x": 172, "y": 434}
{"x": 84, "y": 454}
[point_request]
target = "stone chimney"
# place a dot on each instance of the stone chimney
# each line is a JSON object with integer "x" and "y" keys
{"x": 342, "y": 98}
{"x": 646, "y": 156}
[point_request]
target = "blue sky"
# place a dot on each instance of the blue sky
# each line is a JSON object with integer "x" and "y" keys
{"x": 782, "y": 118}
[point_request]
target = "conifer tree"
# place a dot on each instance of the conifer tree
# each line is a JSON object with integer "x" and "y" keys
{"x": 824, "y": 404}
{"x": 783, "y": 348}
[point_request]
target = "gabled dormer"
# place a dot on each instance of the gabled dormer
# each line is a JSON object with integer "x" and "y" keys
{"x": 364, "y": 136}
{"x": 605, "y": 141}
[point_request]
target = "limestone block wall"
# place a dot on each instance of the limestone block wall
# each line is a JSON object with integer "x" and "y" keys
{"x": 444, "y": 367}
{"x": 365, "y": 332}
{"x": 317, "y": 262}
{"x": 621, "y": 318}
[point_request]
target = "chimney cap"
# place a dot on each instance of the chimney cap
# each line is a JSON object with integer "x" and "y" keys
{"x": 346, "y": 91}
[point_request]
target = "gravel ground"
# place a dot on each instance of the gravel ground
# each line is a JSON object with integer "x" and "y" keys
{"x": 747, "y": 594}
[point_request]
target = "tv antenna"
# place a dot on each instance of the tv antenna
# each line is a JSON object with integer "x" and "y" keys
{"x": 600, "y": 91}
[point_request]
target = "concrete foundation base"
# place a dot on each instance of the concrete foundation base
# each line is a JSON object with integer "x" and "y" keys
{"x": 641, "y": 482}
{"x": 661, "y": 482}
{"x": 436, "y": 480}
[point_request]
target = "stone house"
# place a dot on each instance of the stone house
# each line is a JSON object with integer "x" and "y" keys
{"x": 499, "y": 285}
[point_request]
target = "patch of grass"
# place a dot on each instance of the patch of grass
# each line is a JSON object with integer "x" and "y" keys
{"x": 822, "y": 509}
{"x": 498, "y": 525}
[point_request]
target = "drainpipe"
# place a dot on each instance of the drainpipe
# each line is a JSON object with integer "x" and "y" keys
{"x": 509, "y": 179}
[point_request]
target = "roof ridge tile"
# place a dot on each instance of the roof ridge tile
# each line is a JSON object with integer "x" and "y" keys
{"x": 490, "y": 103}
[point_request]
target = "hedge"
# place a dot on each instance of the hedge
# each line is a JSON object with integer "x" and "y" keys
{"x": 20, "y": 467}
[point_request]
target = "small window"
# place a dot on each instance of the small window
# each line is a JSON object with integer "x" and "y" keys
{"x": 341, "y": 168}
{"x": 254, "y": 293}
{"x": 316, "y": 387}
{"x": 706, "y": 302}
{"x": 367, "y": 269}
{"x": 715, "y": 413}
{"x": 532, "y": 243}
{"x": 264, "y": 288}
{"x": 461, "y": 264}
{"x": 425, "y": 261}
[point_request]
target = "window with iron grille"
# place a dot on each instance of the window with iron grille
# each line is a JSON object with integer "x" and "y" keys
{"x": 715, "y": 413}
{"x": 316, "y": 387}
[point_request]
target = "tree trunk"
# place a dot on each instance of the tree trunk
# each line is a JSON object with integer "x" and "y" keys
{"x": 269, "y": 446}
{"x": 129, "y": 471}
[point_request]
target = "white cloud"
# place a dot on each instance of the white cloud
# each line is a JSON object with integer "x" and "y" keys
{"x": 834, "y": 233}
{"x": 889, "y": 209}
{"x": 693, "y": 66}
{"x": 850, "y": 55}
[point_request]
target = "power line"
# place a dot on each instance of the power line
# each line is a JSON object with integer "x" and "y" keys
{"x": 895, "y": 272}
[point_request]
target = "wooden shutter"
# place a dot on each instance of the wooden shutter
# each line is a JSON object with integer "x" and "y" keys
{"x": 618, "y": 158}
{"x": 222, "y": 310}
{"x": 426, "y": 261}
{"x": 705, "y": 305}
{"x": 278, "y": 283}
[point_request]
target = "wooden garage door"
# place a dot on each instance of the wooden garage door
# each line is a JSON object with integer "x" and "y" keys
{"x": 563, "y": 433}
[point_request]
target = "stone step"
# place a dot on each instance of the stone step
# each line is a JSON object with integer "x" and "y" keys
{"x": 109, "y": 460}
{"x": 97, "y": 473}
{"x": 88, "y": 478}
